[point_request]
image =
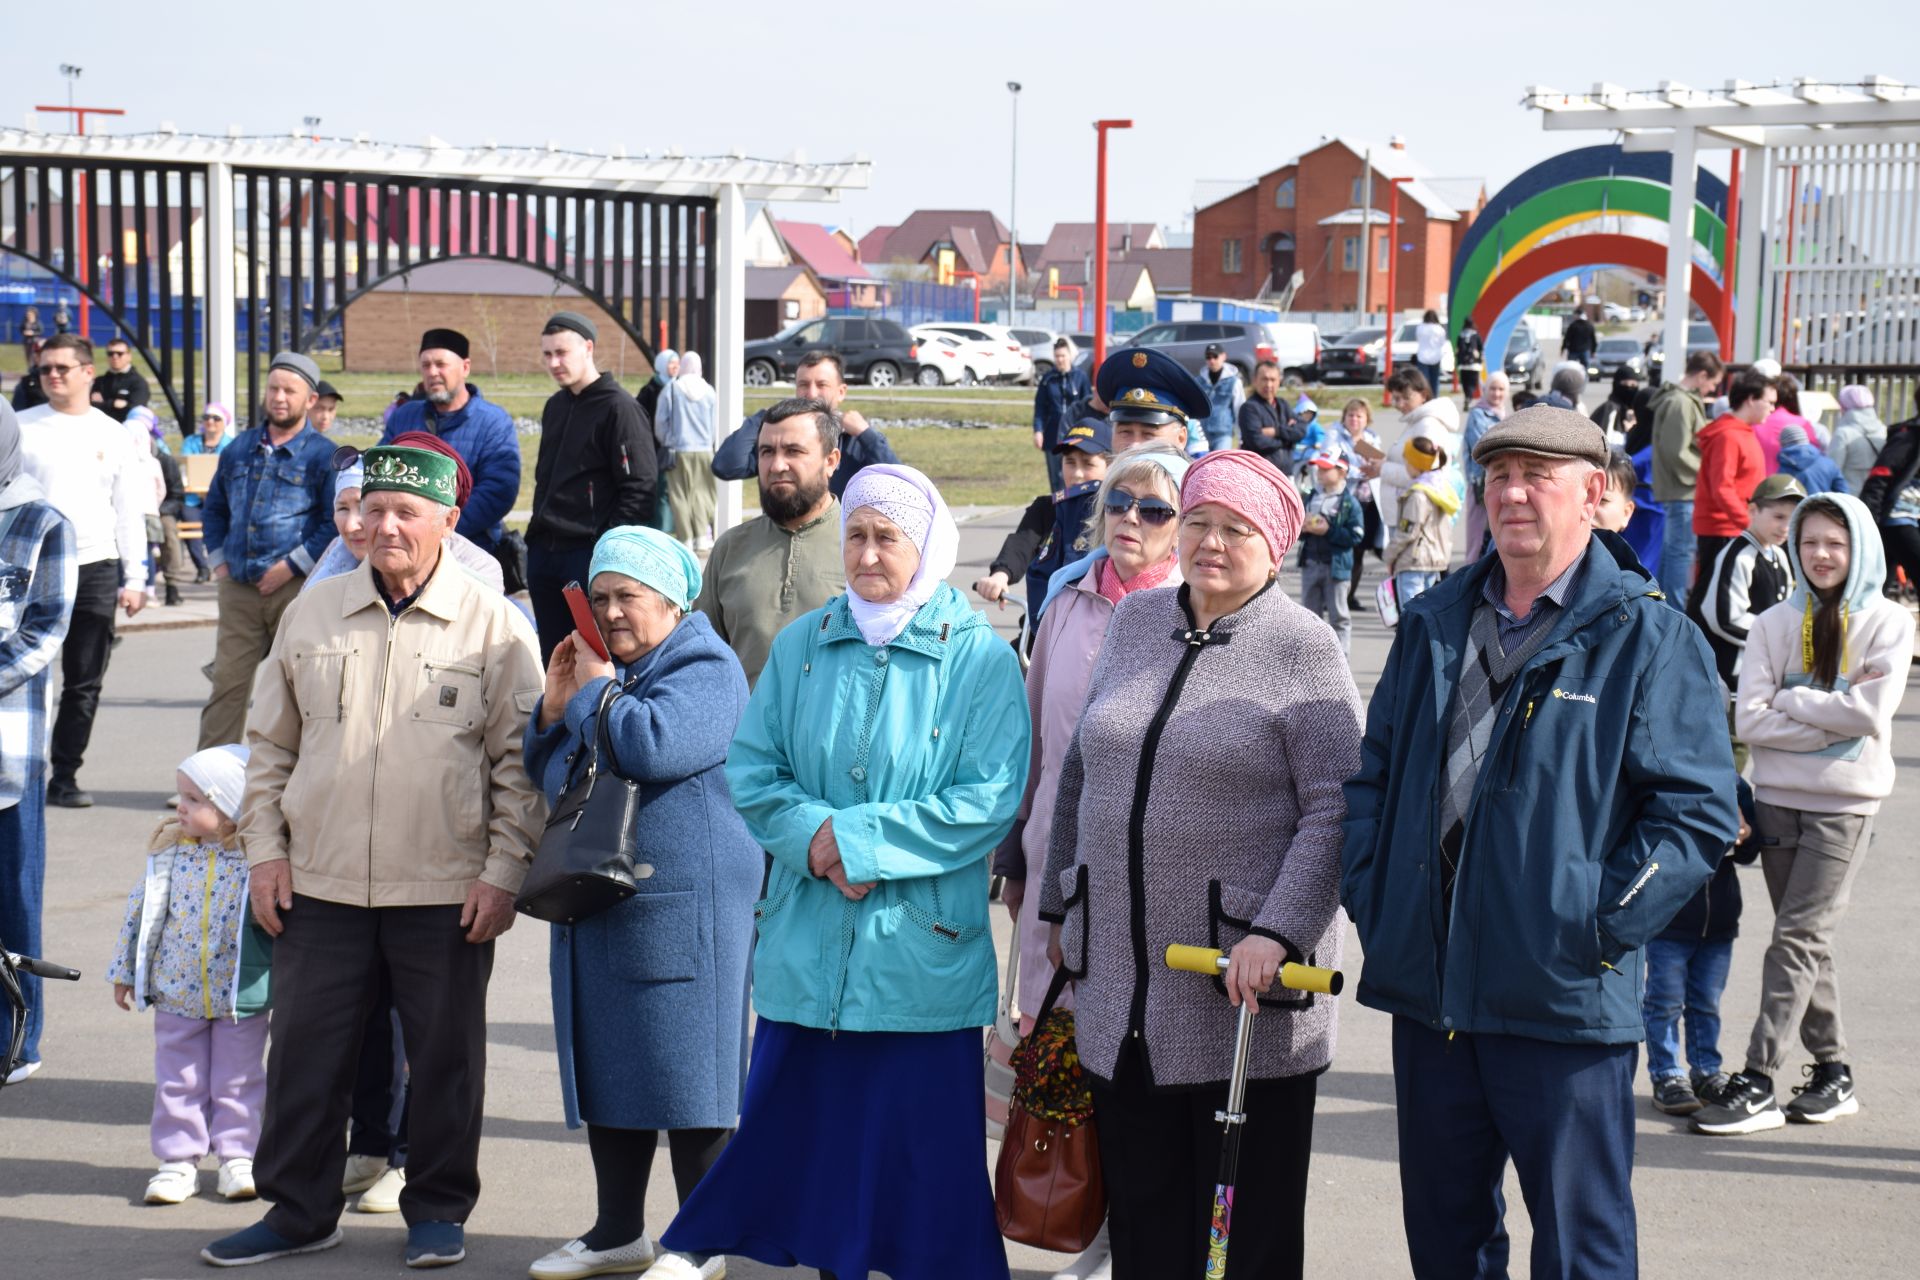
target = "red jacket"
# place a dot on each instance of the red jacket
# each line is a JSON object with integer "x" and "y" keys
{"x": 1731, "y": 465}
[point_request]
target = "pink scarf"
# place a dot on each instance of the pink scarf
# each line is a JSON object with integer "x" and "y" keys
{"x": 1107, "y": 579}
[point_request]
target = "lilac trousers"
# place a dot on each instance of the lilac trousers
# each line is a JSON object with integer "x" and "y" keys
{"x": 209, "y": 1086}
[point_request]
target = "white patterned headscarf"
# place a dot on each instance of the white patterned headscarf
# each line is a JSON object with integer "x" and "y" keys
{"x": 910, "y": 500}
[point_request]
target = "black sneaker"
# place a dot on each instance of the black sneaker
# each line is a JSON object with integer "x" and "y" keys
{"x": 1828, "y": 1095}
{"x": 67, "y": 794}
{"x": 1746, "y": 1105}
{"x": 1673, "y": 1096}
{"x": 1709, "y": 1089}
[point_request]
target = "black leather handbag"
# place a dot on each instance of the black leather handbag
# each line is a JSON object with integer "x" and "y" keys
{"x": 585, "y": 860}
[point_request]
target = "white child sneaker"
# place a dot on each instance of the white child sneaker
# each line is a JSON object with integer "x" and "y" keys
{"x": 174, "y": 1183}
{"x": 574, "y": 1261}
{"x": 362, "y": 1172}
{"x": 384, "y": 1195}
{"x": 236, "y": 1179}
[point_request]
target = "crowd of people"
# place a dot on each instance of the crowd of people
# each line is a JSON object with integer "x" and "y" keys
{"x": 831, "y": 753}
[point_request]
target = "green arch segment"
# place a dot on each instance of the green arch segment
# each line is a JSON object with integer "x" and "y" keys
{"x": 1596, "y": 197}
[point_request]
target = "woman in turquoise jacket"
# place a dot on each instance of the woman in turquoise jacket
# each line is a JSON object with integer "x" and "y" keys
{"x": 881, "y": 760}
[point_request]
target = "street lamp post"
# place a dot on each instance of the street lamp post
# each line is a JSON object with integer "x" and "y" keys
{"x": 1013, "y": 204}
{"x": 77, "y": 197}
{"x": 1393, "y": 263}
{"x": 1100, "y": 127}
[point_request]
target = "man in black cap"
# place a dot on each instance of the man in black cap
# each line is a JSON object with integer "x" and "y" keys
{"x": 326, "y": 403}
{"x": 596, "y": 469}
{"x": 480, "y": 431}
{"x": 1540, "y": 790}
{"x": 268, "y": 518}
{"x": 1225, "y": 395}
{"x": 121, "y": 389}
{"x": 1148, "y": 397}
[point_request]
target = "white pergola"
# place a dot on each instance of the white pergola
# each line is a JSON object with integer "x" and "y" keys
{"x": 730, "y": 180}
{"x": 1870, "y": 129}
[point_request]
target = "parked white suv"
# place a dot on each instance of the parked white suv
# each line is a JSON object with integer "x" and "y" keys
{"x": 1009, "y": 363}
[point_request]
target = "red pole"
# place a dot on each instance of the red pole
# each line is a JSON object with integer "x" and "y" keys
{"x": 1393, "y": 264}
{"x": 1100, "y": 127}
{"x": 82, "y": 214}
{"x": 1733, "y": 244}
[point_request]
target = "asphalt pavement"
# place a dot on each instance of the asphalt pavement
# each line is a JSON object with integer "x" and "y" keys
{"x": 1835, "y": 1200}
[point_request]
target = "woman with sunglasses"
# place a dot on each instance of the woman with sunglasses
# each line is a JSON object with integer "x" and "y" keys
{"x": 1200, "y": 802}
{"x": 1132, "y": 530}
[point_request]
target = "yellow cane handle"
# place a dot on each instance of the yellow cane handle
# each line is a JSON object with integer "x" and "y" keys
{"x": 1294, "y": 977}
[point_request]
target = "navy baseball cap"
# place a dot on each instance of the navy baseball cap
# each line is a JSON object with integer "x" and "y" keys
{"x": 1089, "y": 435}
{"x": 1139, "y": 384}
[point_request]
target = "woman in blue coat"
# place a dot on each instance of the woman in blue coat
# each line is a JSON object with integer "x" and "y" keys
{"x": 881, "y": 760}
{"x": 650, "y": 996}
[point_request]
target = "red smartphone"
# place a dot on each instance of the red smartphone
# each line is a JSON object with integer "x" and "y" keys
{"x": 583, "y": 620}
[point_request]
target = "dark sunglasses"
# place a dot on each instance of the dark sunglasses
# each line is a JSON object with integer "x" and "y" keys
{"x": 344, "y": 457}
{"x": 1153, "y": 511}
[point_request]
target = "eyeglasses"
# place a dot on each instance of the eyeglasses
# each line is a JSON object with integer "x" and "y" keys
{"x": 56, "y": 370}
{"x": 1231, "y": 535}
{"x": 116, "y": 353}
{"x": 1153, "y": 511}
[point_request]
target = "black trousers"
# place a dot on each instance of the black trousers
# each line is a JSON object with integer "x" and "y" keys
{"x": 83, "y": 665}
{"x": 1160, "y": 1155}
{"x": 551, "y": 566}
{"x": 326, "y": 968}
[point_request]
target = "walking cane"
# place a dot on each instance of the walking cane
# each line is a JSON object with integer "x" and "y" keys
{"x": 1295, "y": 977}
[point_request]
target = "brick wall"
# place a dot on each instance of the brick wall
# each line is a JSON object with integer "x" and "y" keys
{"x": 382, "y": 331}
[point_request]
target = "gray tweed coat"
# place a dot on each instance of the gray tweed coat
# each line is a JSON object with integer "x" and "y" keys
{"x": 1200, "y": 801}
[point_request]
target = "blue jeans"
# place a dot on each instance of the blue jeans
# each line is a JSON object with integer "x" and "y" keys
{"x": 1221, "y": 439}
{"x": 1685, "y": 976}
{"x": 1676, "y": 553}
{"x": 1432, "y": 374}
{"x": 1410, "y": 584}
{"x": 23, "y": 867}
{"x": 1562, "y": 1112}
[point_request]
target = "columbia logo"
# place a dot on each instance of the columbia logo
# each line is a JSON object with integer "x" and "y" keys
{"x": 1564, "y": 696}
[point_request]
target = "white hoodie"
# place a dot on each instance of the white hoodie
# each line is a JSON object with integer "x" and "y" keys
{"x": 1827, "y": 750}
{"x": 1439, "y": 421}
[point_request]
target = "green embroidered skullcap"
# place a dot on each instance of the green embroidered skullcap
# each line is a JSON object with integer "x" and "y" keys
{"x": 421, "y": 472}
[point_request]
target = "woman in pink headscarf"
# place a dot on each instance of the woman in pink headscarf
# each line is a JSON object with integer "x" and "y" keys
{"x": 1200, "y": 802}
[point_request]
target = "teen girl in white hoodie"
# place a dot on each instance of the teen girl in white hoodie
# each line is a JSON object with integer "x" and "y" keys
{"x": 1824, "y": 674}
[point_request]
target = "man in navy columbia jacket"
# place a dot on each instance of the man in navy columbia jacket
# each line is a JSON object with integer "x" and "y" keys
{"x": 1544, "y": 783}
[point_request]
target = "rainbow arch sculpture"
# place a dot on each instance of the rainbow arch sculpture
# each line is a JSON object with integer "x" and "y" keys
{"x": 1517, "y": 249}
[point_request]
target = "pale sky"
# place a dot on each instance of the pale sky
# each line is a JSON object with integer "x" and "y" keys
{"x": 1216, "y": 90}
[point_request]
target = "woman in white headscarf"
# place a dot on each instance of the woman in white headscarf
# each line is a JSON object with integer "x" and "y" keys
{"x": 881, "y": 759}
{"x": 688, "y": 425}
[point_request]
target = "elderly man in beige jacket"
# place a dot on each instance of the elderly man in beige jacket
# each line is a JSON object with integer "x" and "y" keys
{"x": 388, "y": 823}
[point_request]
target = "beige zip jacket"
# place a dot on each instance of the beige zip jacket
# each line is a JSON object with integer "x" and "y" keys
{"x": 386, "y": 751}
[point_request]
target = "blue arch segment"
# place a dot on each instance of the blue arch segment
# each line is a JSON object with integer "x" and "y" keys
{"x": 1602, "y": 161}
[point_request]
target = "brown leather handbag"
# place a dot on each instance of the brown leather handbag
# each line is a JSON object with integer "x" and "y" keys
{"x": 1047, "y": 1187}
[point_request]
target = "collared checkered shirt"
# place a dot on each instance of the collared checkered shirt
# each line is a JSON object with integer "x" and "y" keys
{"x": 38, "y": 581}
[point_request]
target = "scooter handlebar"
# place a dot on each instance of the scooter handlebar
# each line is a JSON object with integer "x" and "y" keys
{"x": 1294, "y": 977}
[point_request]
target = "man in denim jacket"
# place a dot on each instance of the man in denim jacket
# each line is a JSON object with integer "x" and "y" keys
{"x": 269, "y": 516}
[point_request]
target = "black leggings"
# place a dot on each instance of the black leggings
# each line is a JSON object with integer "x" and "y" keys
{"x": 1902, "y": 542}
{"x": 622, "y": 1165}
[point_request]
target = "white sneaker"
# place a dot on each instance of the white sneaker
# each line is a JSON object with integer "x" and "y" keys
{"x": 1094, "y": 1263}
{"x": 174, "y": 1183}
{"x": 236, "y": 1179}
{"x": 21, "y": 1072}
{"x": 384, "y": 1195}
{"x": 678, "y": 1266}
{"x": 362, "y": 1172}
{"x": 573, "y": 1261}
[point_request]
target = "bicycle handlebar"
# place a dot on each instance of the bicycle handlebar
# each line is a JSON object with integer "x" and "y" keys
{"x": 40, "y": 968}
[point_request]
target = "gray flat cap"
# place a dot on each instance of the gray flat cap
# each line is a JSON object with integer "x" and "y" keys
{"x": 1548, "y": 431}
{"x": 574, "y": 322}
{"x": 294, "y": 362}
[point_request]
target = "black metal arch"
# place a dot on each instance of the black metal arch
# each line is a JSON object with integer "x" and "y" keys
{"x": 156, "y": 314}
{"x": 331, "y": 238}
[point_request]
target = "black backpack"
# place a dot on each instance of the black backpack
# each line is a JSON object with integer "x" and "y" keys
{"x": 1893, "y": 470}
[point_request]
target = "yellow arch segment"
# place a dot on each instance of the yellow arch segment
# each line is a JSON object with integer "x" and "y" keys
{"x": 1526, "y": 243}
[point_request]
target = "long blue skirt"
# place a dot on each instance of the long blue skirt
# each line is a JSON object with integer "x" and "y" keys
{"x": 857, "y": 1152}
